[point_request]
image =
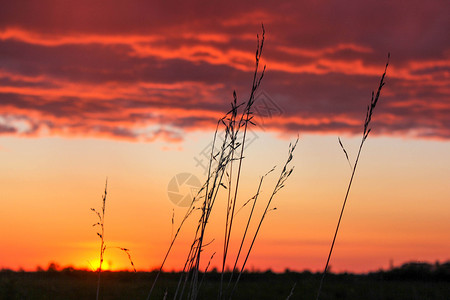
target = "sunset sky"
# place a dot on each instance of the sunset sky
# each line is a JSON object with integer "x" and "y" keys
{"x": 132, "y": 90}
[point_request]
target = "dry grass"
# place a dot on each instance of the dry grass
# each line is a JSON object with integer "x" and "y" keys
{"x": 365, "y": 134}
{"x": 101, "y": 234}
{"x": 224, "y": 176}
{"x": 224, "y": 173}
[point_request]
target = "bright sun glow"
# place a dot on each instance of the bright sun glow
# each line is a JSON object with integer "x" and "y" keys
{"x": 95, "y": 264}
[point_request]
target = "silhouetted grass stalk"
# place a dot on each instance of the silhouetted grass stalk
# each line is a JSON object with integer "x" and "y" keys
{"x": 284, "y": 175}
{"x": 366, "y": 131}
{"x": 246, "y": 118}
{"x": 254, "y": 198}
{"x": 188, "y": 213}
{"x": 291, "y": 292}
{"x": 210, "y": 188}
{"x": 211, "y": 195}
{"x": 101, "y": 234}
{"x": 221, "y": 164}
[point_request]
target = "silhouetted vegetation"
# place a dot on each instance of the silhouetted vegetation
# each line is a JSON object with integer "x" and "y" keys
{"x": 410, "y": 281}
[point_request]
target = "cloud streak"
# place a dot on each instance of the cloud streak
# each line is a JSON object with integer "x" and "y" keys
{"x": 146, "y": 71}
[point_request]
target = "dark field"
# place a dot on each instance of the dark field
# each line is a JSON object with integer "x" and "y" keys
{"x": 411, "y": 281}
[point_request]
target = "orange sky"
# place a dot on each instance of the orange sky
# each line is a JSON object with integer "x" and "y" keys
{"x": 133, "y": 93}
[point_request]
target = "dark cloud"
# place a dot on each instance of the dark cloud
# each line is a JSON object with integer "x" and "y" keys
{"x": 148, "y": 69}
{"x": 6, "y": 129}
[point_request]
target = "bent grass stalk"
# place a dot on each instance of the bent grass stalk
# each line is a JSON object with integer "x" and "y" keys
{"x": 188, "y": 213}
{"x": 366, "y": 131}
{"x": 224, "y": 158}
{"x": 284, "y": 175}
{"x": 254, "y": 198}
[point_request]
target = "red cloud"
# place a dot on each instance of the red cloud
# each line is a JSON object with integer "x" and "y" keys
{"x": 144, "y": 72}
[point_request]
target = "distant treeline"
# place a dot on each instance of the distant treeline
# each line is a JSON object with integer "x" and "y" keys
{"x": 416, "y": 271}
{"x": 412, "y": 280}
{"x": 410, "y": 271}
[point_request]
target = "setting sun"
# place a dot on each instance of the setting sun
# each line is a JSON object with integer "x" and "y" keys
{"x": 94, "y": 265}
